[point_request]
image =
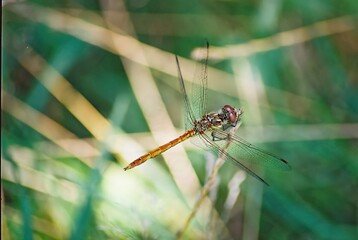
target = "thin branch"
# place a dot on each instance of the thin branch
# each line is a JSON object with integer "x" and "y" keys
{"x": 209, "y": 184}
{"x": 284, "y": 39}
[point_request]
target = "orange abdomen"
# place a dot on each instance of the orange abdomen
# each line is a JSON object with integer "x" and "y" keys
{"x": 161, "y": 149}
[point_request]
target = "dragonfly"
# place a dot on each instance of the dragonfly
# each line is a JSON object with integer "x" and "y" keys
{"x": 213, "y": 128}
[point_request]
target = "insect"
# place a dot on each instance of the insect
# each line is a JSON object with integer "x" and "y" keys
{"x": 214, "y": 128}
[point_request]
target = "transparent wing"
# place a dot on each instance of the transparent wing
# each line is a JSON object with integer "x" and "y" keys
{"x": 198, "y": 141}
{"x": 198, "y": 94}
{"x": 244, "y": 151}
{"x": 218, "y": 149}
{"x": 195, "y": 103}
{"x": 189, "y": 114}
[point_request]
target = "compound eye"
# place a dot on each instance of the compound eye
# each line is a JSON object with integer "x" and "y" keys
{"x": 232, "y": 113}
{"x": 228, "y": 109}
{"x": 232, "y": 117}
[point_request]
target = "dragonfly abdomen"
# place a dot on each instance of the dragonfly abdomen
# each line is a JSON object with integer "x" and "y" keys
{"x": 160, "y": 150}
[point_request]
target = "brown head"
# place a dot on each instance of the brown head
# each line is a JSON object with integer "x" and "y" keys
{"x": 232, "y": 114}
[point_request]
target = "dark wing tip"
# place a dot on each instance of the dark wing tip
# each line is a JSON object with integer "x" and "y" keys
{"x": 283, "y": 160}
{"x": 287, "y": 164}
{"x": 265, "y": 183}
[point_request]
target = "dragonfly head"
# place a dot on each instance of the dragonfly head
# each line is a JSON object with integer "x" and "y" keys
{"x": 231, "y": 114}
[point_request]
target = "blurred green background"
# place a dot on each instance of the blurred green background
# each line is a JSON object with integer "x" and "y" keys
{"x": 88, "y": 86}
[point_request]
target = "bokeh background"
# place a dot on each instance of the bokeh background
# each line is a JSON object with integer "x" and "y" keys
{"x": 88, "y": 86}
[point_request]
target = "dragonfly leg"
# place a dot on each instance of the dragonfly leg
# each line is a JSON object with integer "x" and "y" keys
{"x": 225, "y": 127}
{"x": 218, "y": 138}
{"x": 234, "y": 124}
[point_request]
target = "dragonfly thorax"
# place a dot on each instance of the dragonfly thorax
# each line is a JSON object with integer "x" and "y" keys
{"x": 228, "y": 116}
